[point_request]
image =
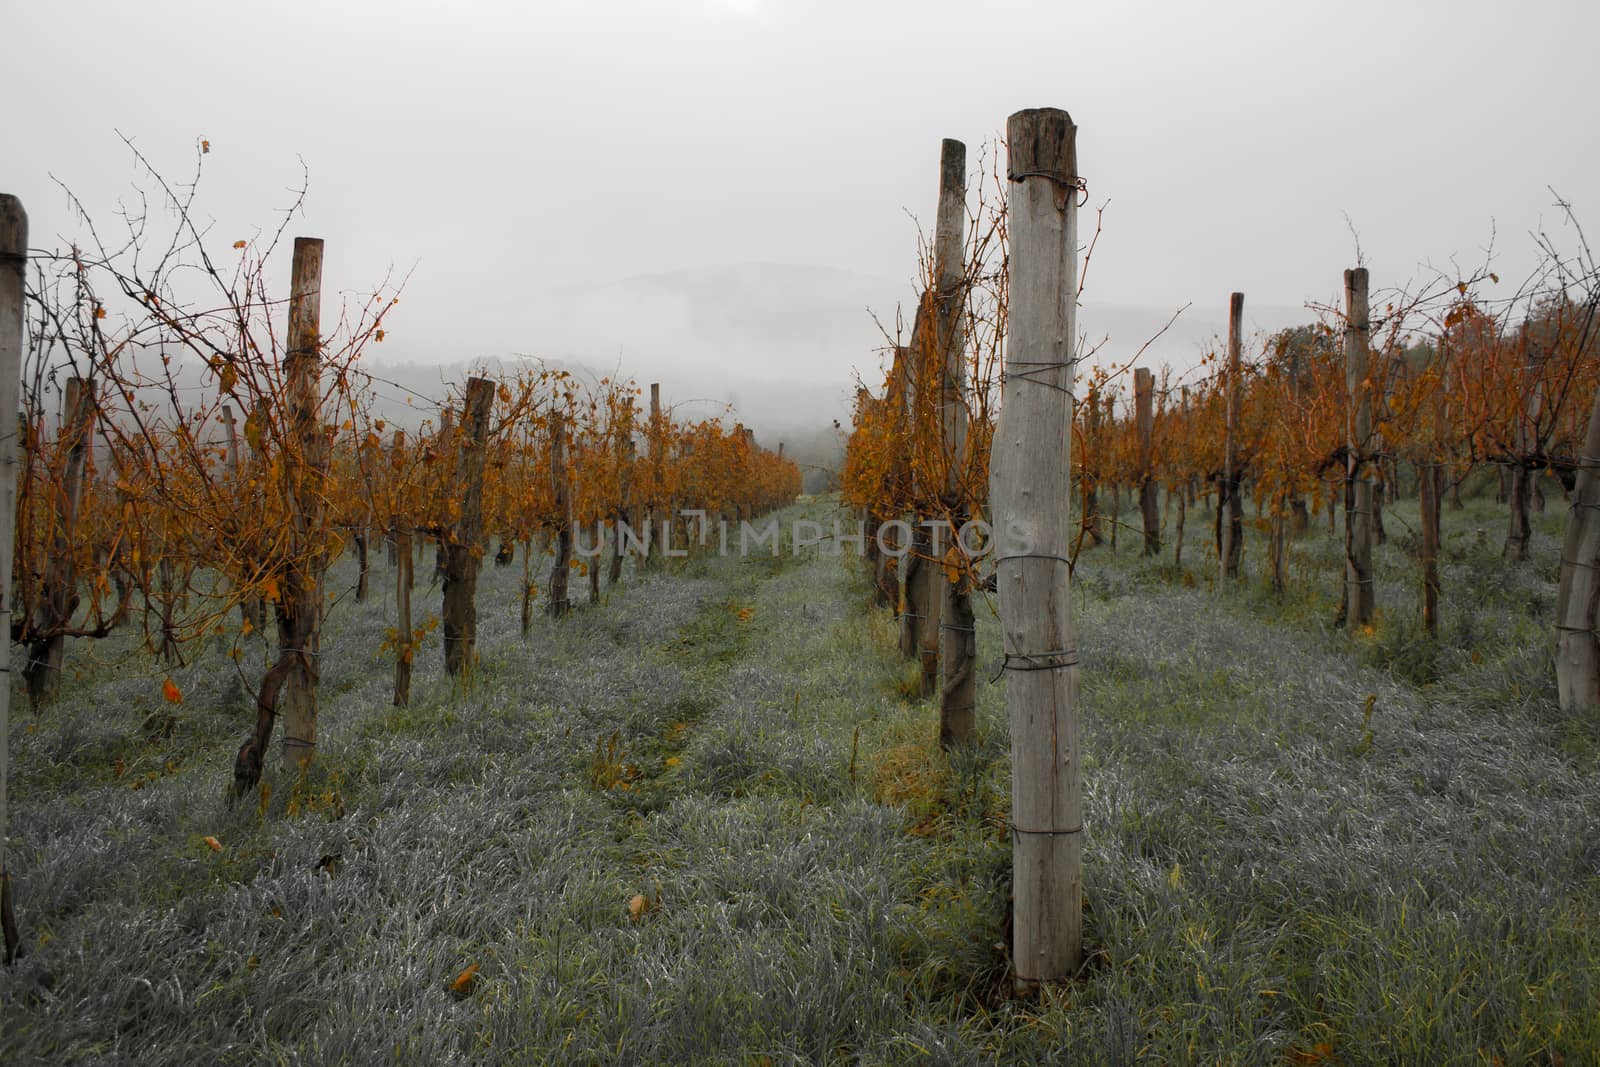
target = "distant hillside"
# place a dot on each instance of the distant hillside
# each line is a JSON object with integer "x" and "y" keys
{"x": 781, "y": 345}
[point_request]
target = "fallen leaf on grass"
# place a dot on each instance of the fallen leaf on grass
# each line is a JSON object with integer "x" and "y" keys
{"x": 464, "y": 982}
{"x": 216, "y": 846}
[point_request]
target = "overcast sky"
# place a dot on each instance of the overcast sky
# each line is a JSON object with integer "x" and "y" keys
{"x": 505, "y": 149}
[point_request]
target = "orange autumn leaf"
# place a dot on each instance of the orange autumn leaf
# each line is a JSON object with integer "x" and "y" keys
{"x": 239, "y": 244}
{"x": 465, "y": 981}
{"x": 213, "y": 843}
{"x": 173, "y": 694}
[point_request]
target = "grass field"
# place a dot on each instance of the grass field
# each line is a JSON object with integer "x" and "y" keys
{"x": 702, "y": 823}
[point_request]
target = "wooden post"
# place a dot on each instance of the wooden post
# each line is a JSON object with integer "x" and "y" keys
{"x": 1519, "y": 530}
{"x": 1030, "y": 451}
{"x": 1144, "y": 387}
{"x": 360, "y": 538}
{"x": 446, "y": 447}
{"x": 1360, "y": 602}
{"x": 1116, "y": 513}
{"x": 1577, "y": 650}
{"x": 592, "y": 563}
{"x": 13, "y": 283}
{"x": 300, "y": 606}
{"x": 1230, "y": 508}
{"x": 625, "y": 459}
{"x": 958, "y": 695}
{"x": 1429, "y": 482}
{"x": 558, "y": 604}
{"x": 1430, "y": 492}
{"x": 251, "y": 608}
{"x": 400, "y": 538}
{"x": 1088, "y": 481}
{"x": 529, "y": 588}
{"x": 651, "y": 553}
{"x": 54, "y": 613}
{"x": 1278, "y": 542}
{"x": 464, "y": 552}
{"x": 910, "y": 600}
{"x": 1185, "y": 492}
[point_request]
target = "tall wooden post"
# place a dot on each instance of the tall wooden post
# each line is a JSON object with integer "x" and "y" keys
{"x": 1428, "y": 485}
{"x": 464, "y": 552}
{"x": 625, "y": 456}
{"x": 1184, "y": 492}
{"x": 400, "y": 534}
{"x": 1360, "y": 602}
{"x": 560, "y": 570}
{"x": 910, "y": 600}
{"x": 13, "y": 279}
{"x": 1526, "y": 444}
{"x": 1032, "y": 450}
{"x": 446, "y": 447}
{"x": 1577, "y": 650}
{"x": 54, "y": 614}
{"x": 653, "y": 502}
{"x": 1430, "y": 492}
{"x": 1088, "y": 477}
{"x": 958, "y": 694}
{"x": 1144, "y": 388}
{"x": 300, "y": 607}
{"x": 1230, "y": 508}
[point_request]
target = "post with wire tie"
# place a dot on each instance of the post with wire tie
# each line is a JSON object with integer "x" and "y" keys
{"x": 1360, "y": 603}
{"x": 1032, "y": 528}
{"x": 1577, "y": 650}
{"x": 13, "y": 277}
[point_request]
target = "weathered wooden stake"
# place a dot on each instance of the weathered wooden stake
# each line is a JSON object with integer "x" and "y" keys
{"x": 13, "y": 278}
{"x": 1360, "y": 603}
{"x": 625, "y": 457}
{"x": 464, "y": 551}
{"x": 1031, "y": 452}
{"x": 958, "y": 696}
{"x": 1144, "y": 391}
{"x": 651, "y": 554}
{"x": 1577, "y": 649}
{"x": 404, "y": 560}
{"x": 360, "y": 537}
{"x": 446, "y": 446}
{"x": 1230, "y": 508}
{"x": 1430, "y": 479}
{"x": 1519, "y": 529}
{"x": 251, "y": 609}
{"x": 60, "y": 595}
{"x": 300, "y": 605}
{"x": 1278, "y": 543}
{"x": 558, "y": 604}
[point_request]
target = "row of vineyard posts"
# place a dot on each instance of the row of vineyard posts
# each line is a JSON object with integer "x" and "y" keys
{"x": 135, "y": 504}
{"x": 1337, "y": 415}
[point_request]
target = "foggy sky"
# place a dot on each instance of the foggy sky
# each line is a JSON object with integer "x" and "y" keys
{"x": 509, "y": 150}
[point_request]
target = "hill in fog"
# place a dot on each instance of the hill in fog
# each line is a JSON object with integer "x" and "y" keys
{"x": 781, "y": 345}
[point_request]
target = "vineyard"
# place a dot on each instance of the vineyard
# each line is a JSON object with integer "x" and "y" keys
{"x": 1243, "y": 712}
